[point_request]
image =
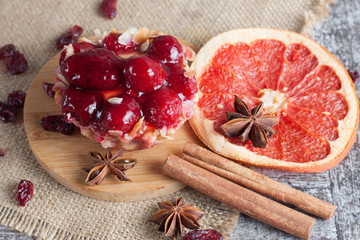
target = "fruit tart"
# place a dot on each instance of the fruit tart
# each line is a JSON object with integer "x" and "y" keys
{"x": 126, "y": 90}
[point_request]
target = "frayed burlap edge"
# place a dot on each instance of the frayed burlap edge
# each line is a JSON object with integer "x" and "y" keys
{"x": 43, "y": 230}
{"x": 34, "y": 227}
{"x": 317, "y": 14}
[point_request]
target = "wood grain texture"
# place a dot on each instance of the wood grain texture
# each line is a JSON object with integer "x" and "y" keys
{"x": 63, "y": 157}
{"x": 340, "y": 33}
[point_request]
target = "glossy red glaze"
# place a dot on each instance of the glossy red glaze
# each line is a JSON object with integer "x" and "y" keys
{"x": 81, "y": 105}
{"x": 181, "y": 84}
{"x": 162, "y": 107}
{"x": 121, "y": 115}
{"x": 77, "y": 47}
{"x": 111, "y": 42}
{"x": 143, "y": 74}
{"x": 167, "y": 50}
{"x": 95, "y": 69}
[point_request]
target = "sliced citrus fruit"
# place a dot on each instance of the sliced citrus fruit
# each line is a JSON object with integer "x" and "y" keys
{"x": 298, "y": 80}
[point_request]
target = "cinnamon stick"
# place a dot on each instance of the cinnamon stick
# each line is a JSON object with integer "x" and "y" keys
{"x": 257, "y": 182}
{"x": 239, "y": 198}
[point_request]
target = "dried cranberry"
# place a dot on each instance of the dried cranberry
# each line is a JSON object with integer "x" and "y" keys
{"x": 7, "y": 51}
{"x": 2, "y": 153}
{"x": 209, "y": 234}
{"x": 120, "y": 113}
{"x": 57, "y": 123}
{"x": 81, "y": 105}
{"x": 181, "y": 84}
{"x": 167, "y": 50}
{"x": 111, "y": 42}
{"x": 25, "y": 192}
{"x": 6, "y": 115}
{"x": 96, "y": 69}
{"x": 108, "y": 8}
{"x": 16, "y": 63}
{"x": 70, "y": 36}
{"x": 354, "y": 75}
{"x": 48, "y": 89}
{"x": 77, "y": 47}
{"x": 163, "y": 107}
{"x": 144, "y": 74}
{"x": 16, "y": 99}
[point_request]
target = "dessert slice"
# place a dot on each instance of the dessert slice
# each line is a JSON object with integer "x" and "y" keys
{"x": 126, "y": 90}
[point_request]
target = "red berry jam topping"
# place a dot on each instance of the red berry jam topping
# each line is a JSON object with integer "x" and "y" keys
{"x": 112, "y": 43}
{"x": 71, "y": 36}
{"x": 6, "y": 115}
{"x": 209, "y": 234}
{"x": 108, "y": 8}
{"x": 162, "y": 107}
{"x": 120, "y": 113}
{"x": 118, "y": 92}
{"x": 57, "y": 123}
{"x": 16, "y": 99}
{"x": 167, "y": 50}
{"x": 184, "y": 86}
{"x": 143, "y": 74}
{"x": 48, "y": 89}
{"x": 81, "y": 105}
{"x": 76, "y": 48}
{"x": 95, "y": 69}
{"x": 25, "y": 192}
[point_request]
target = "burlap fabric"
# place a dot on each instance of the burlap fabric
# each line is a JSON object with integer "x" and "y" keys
{"x": 33, "y": 26}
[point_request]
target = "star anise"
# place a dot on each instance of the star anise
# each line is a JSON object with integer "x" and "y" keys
{"x": 249, "y": 125}
{"x": 105, "y": 164}
{"x": 173, "y": 218}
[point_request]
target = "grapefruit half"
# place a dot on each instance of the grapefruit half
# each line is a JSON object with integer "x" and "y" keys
{"x": 298, "y": 80}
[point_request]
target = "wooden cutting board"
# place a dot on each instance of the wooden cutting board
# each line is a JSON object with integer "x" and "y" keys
{"x": 63, "y": 157}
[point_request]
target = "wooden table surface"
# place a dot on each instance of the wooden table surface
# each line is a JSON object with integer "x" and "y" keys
{"x": 340, "y": 33}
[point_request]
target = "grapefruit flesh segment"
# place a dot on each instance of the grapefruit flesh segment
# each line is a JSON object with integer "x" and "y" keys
{"x": 328, "y": 102}
{"x": 269, "y": 55}
{"x": 240, "y": 61}
{"x": 215, "y": 106}
{"x": 274, "y": 150}
{"x": 313, "y": 82}
{"x": 300, "y": 145}
{"x": 218, "y": 79}
{"x": 321, "y": 124}
{"x": 298, "y": 62}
